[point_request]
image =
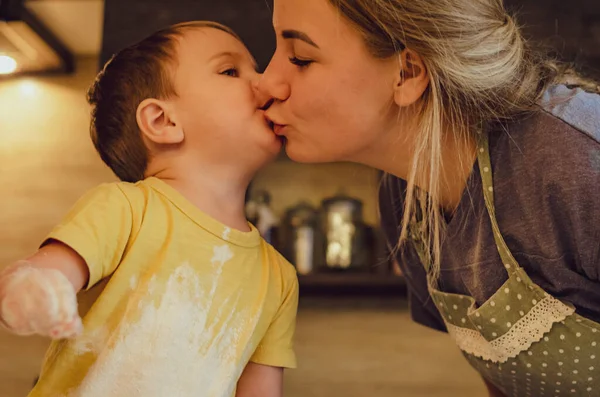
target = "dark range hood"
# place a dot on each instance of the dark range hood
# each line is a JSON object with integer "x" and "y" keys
{"x": 26, "y": 45}
{"x": 570, "y": 28}
{"x": 127, "y": 21}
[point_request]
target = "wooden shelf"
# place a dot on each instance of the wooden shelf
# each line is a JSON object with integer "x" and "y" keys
{"x": 351, "y": 283}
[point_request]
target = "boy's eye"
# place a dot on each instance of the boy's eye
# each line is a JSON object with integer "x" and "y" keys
{"x": 232, "y": 72}
{"x": 301, "y": 63}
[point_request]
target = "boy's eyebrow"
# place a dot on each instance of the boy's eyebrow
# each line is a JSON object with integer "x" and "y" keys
{"x": 235, "y": 55}
{"x": 298, "y": 35}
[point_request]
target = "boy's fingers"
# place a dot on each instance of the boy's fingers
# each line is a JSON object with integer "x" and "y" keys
{"x": 40, "y": 301}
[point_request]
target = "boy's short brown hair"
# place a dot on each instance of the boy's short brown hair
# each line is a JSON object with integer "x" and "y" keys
{"x": 137, "y": 72}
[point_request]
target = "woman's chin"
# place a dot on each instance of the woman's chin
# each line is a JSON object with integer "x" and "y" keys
{"x": 305, "y": 155}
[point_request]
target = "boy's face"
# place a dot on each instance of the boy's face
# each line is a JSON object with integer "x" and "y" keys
{"x": 217, "y": 103}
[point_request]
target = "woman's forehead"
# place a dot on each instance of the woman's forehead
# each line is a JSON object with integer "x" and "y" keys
{"x": 315, "y": 21}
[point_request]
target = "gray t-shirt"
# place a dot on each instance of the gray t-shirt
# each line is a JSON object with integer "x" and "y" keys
{"x": 546, "y": 170}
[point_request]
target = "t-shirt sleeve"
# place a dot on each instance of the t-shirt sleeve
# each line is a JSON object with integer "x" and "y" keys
{"x": 98, "y": 229}
{"x": 582, "y": 216}
{"x": 571, "y": 193}
{"x": 560, "y": 168}
{"x": 276, "y": 349}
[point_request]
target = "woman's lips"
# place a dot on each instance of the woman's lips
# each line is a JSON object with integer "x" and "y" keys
{"x": 279, "y": 129}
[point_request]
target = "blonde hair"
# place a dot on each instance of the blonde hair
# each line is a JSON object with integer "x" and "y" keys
{"x": 480, "y": 68}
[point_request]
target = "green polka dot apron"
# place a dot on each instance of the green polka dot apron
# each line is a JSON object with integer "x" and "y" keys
{"x": 522, "y": 340}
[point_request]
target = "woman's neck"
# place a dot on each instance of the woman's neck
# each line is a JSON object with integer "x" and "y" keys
{"x": 458, "y": 159}
{"x": 457, "y": 164}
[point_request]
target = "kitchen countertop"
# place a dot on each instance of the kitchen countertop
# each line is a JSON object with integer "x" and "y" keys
{"x": 355, "y": 347}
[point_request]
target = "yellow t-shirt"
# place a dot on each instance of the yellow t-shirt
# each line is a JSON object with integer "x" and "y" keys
{"x": 188, "y": 304}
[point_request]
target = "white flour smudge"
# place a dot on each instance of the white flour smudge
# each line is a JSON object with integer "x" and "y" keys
{"x": 221, "y": 254}
{"x": 226, "y": 232}
{"x": 173, "y": 350}
{"x": 91, "y": 342}
{"x": 133, "y": 282}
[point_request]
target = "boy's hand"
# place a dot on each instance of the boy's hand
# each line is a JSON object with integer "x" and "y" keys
{"x": 40, "y": 301}
{"x": 260, "y": 381}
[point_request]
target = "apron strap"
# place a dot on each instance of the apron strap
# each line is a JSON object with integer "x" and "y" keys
{"x": 485, "y": 168}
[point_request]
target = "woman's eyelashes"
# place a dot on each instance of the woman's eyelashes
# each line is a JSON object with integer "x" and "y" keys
{"x": 301, "y": 63}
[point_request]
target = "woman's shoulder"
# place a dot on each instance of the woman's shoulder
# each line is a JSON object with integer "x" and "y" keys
{"x": 574, "y": 107}
{"x": 547, "y": 174}
{"x": 565, "y": 125}
{"x": 560, "y": 140}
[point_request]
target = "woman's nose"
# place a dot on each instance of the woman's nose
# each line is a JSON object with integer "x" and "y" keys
{"x": 263, "y": 99}
{"x": 273, "y": 83}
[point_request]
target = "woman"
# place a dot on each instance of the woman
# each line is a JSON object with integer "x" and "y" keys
{"x": 493, "y": 199}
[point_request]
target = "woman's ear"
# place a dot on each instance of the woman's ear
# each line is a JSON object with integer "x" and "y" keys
{"x": 158, "y": 122}
{"x": 412, "y": 80}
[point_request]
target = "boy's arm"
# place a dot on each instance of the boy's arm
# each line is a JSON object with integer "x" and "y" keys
{"x": 263, "y": 375}
{"x": 58, "y": 256}
{"x": 259, "y": 380}
{"x": 38, "y": 295}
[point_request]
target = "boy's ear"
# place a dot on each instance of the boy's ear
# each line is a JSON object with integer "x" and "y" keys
{"x": 158, "y": 122}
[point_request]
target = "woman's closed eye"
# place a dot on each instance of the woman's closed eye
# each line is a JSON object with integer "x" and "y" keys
{"x": 301, "y": 63}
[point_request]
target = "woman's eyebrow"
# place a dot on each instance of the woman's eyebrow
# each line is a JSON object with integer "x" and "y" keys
{"x": 298, "y": 35}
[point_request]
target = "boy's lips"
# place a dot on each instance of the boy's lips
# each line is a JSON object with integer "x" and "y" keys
{"x": 269, "y": 123}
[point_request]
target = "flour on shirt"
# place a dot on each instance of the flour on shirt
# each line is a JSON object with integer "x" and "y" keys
{"x": 133, "y": 281}
{"x": 91, "y": 342}
{"x": 226, "y": 232}
{"x": 174, "y": 349}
